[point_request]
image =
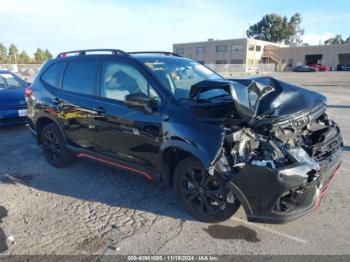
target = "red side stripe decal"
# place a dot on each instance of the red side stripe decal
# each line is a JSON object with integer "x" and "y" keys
{"x": 116, "y": 165}
{"x": 327, "y": 186}
{"x": 330, "y": 182}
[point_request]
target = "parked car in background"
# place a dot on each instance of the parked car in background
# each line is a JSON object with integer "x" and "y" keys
{"x": 304, "y": 68}
{"x": 13, "y": 107}
{"x": 220, "y": 143}
{"x": 343, "y": 67}
{"x": 321, "y": 68}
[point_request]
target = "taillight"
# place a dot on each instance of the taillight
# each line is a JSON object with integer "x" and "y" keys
{"x": 28, "y": 92}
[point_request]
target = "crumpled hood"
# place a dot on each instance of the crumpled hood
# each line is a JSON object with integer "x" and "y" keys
{"x": 284, "y": 100}
{"x": 264, "y": 97}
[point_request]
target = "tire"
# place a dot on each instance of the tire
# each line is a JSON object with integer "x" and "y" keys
{"x": 53, "y": 146}
{"x": 204, "y": 196}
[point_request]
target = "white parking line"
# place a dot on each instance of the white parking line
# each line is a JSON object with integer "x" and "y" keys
{"x": 270, "y": 230}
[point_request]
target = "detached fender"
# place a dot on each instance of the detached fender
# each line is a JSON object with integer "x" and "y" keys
{"x": 202, "y": 140}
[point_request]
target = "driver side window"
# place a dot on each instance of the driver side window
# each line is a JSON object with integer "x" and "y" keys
{"x": 120, "y": 79}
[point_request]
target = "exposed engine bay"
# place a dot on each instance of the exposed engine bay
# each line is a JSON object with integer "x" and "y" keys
{"x": 283, "y": 144}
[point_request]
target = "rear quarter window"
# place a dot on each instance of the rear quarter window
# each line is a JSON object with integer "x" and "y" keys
{"x": 80, "y": 77}
{"x": 52, "y": 75}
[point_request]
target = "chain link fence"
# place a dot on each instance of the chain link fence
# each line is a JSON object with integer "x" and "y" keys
{"x": 230, "y": 69}
{"x": 25, "y": 71}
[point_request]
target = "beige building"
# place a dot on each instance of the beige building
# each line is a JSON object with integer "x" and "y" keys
{"x": 234, "y": 51}
{"x": 331, "y": 55}
{"x": 252, "y": 52}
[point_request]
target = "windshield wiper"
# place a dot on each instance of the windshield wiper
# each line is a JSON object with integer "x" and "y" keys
{"x": 195, "y": 100}
{"x": 219, "y": 96}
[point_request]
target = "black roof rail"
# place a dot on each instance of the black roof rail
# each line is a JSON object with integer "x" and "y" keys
{"x": 83, "y": 52}
{"x": 154, "y": 52}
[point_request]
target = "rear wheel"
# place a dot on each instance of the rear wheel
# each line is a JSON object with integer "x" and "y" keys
{"x": 203, "y": 195}
{"x": 53, "y": 146}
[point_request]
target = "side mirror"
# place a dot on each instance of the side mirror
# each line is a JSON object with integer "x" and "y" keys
{"x": 138, "y": 100}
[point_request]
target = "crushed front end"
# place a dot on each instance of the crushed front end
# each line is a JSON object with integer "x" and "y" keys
{"x": 280, "y": 171}
{"x": 280, "y": 150}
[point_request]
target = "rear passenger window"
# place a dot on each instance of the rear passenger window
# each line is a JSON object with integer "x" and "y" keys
{"x": 80, "y": 77}
{"x": 53, "y": 74}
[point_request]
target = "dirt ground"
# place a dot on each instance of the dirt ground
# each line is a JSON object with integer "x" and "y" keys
{"x": 89, "y": 208}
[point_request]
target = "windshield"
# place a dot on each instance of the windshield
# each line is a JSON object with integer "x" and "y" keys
{"x": 178, "y": 75}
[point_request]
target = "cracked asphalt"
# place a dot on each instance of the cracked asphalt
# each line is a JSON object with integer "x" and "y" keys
{"x": 89, "y": 208}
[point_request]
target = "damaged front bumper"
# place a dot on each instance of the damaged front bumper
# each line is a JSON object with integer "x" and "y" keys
{"x": 278, "y": 196}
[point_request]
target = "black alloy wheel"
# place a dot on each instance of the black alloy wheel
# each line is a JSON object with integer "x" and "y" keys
{"x": 203, "y": 195}
{"x": 51, "y": 146}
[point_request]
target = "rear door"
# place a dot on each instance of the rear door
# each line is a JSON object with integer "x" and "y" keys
{"x": 77, "y": 99}
{"x": 127, "y": 134}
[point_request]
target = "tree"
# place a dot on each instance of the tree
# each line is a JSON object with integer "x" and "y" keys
{"x": 347, "y": 40}
{"x": 3, "y": 53}
{"x": 296, "y": 30}
{"x": 338, "y": 39}
{"x": 13, "y": 53}
{"x": 276, "y": 28}
{"x": 39, "y": 56}
{"x": 48, "y": 54}
{"x": 23, "y": 58}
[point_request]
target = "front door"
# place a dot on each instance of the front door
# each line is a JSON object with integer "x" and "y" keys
{"x": 132, "y": 135}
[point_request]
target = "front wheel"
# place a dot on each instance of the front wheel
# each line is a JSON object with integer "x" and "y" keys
{"x": 204, "y": 196}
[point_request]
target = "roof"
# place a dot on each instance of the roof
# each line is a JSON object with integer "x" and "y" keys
{"x": 153, "y": 56}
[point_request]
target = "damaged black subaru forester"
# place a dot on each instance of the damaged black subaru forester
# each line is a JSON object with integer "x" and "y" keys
{"x": 261, "y": 143}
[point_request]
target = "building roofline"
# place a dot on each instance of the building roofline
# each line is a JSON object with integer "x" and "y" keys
{"x": 210, "y": 41}
{"x": 228, "y": 40}
{"x": 313, "y": 46}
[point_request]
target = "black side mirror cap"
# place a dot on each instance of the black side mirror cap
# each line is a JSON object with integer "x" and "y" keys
{"x": 137, "y": 100}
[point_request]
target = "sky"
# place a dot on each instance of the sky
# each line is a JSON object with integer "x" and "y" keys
{"x": 131, "y": 25}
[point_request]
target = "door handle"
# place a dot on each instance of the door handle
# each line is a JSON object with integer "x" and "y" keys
{"x": 56, "y": 100}
{"x": 99, "y": 110}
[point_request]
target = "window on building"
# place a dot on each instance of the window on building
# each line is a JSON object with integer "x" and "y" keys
{"x": 221, "y": 62}
{"x": 120, "y": 79}
{"x": 251, "y": 47}
{"x": 80, "y": 77}
{"x": 237, "y": 48}
{"x": 251, "y": 62}
{"x": 200, "y": 50}
{"x": 237, "y": 61}
{"x": 53, "y": 74}
{"x": 180, "y": 51}
{"x": 221, "y": 48}
{"x": 258, "y": 48}
{"x": 290, "y": 62}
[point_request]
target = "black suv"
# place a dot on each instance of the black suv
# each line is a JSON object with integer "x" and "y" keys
{"x": 220, "y": 143}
